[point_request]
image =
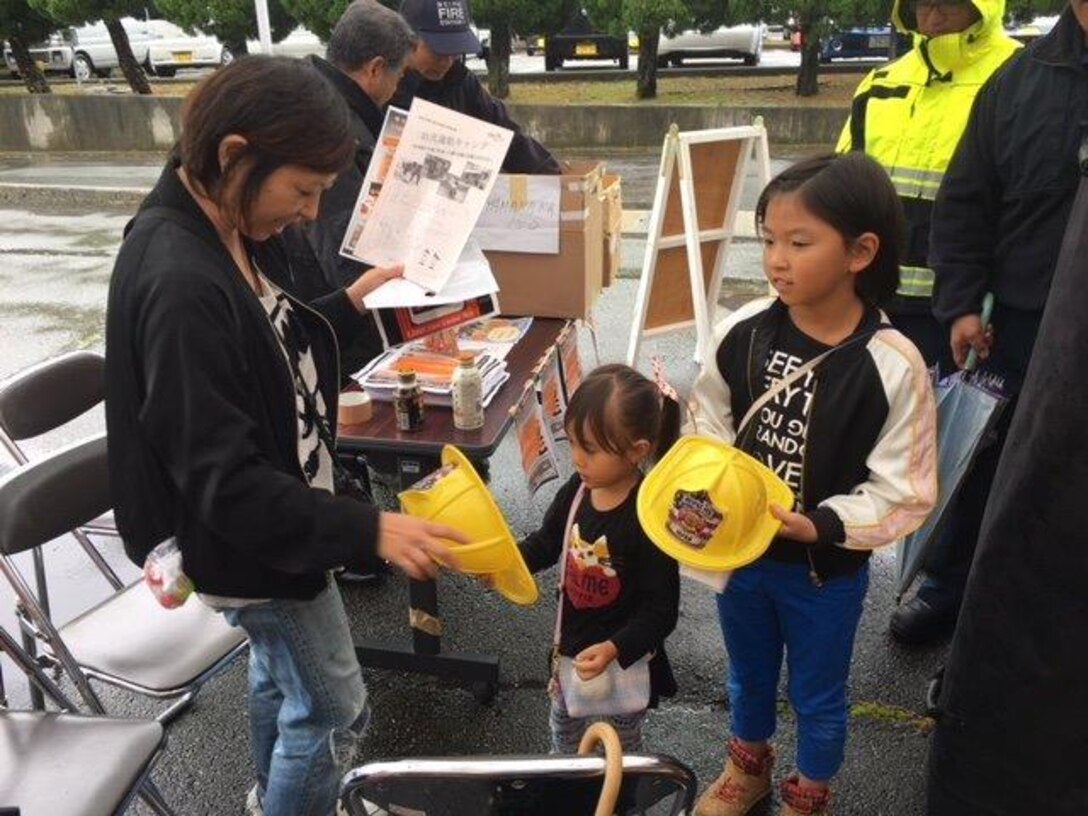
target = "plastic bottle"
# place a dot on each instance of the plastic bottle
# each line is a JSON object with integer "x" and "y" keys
{"x": 408, "y": 402}
{"x": 468, "y": 394}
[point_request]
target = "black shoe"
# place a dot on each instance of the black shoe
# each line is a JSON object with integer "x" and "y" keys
{"x": 921, "y": 621}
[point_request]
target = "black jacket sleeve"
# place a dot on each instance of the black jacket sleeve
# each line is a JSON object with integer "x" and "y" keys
{"x": 659, "y": 587}
{"x": 526, "y": 154}
{"x": 542, "y": 548}
{"x": 198, "y": 417}
{"x": 965, "y": 214}
{"x": 326, "y": 232}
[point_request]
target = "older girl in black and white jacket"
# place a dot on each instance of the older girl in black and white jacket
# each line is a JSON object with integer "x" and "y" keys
{"x": 854, "y": 437}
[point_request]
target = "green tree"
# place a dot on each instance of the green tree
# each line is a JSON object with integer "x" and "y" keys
{"x": 110, "y": 12}
{"x": 503, "y": 18}
{"x": 320, "y": 16}
{"x": 22, "y": 26}
{"x": 814, "y": 20}
{"x": 231, "y": 21}
{"x": 645, "y": 18}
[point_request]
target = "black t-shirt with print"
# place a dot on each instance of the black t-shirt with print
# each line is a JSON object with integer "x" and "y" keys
{"x": 780, "y": 429}
{"x": 618, "y": 586}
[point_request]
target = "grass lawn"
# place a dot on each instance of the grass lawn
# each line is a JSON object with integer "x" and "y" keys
{"x": 836, "y": 90}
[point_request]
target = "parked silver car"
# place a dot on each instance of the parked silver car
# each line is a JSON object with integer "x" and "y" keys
{"x": 743, "y": 42}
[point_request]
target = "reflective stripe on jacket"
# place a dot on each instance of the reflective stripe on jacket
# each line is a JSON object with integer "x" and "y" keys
{"x": 909, "y": 116}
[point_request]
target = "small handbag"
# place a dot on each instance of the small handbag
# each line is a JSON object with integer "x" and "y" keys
{"x": 614, "y": 691}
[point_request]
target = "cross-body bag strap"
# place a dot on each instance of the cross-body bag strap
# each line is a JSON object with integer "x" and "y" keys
{"x": 780, "y": 386}
{"x": 784, "y": 383}
{"x": 574, "y": 505}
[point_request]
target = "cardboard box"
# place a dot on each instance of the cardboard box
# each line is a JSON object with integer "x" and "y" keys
{"x": 565, "y": 284}
{"x": 612, "y": 203}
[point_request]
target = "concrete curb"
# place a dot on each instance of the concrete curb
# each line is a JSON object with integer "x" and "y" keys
{"x": 106, "y": 123}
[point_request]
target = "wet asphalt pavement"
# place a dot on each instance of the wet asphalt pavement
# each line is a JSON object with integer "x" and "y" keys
{"x": 56, "y": 259}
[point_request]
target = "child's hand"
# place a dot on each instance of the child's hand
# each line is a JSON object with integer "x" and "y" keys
{"x": 593, "y": 660}
{"x": 487, "y": 579}
{"x": 795, "y": 526}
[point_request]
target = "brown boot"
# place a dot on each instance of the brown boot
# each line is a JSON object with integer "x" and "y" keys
{"x": 744, "y": 783}
{"x": 798, "y": 801}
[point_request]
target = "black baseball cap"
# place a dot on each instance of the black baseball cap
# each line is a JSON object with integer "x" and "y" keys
{"x": 442, "y": 24}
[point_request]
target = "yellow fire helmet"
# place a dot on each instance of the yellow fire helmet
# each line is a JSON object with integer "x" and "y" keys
{"x": 456, "y": 496}
{"x": 706, "y": 504}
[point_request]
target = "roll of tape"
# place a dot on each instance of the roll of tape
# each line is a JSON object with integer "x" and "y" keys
{"x": 355, "y": 408}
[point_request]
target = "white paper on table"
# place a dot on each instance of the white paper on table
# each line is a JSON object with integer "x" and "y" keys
{"x": 442, "y": 173}
{"x": 521, "y": 215}
{"x": 470, "y": 278}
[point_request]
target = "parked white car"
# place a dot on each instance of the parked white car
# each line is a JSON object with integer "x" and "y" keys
{"x": 85, "y": 51}
{"x": 743, "y": 42}
{"x": 299, "y": 43}
{"x": 170, "y": 48}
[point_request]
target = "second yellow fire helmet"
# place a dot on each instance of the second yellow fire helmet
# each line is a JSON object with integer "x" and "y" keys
{"x": 455, "y": 495}
{"x": 706, "y": 504}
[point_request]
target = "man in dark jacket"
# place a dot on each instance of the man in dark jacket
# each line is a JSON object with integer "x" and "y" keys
{"x": 997, "y": 226}
{"x": 1010, "y": 739}
{"x": 437, "y": 74}
{"x": 366, "y": 59}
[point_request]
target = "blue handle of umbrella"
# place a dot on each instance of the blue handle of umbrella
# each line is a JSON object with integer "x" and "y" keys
{"x": 987, "y": 313}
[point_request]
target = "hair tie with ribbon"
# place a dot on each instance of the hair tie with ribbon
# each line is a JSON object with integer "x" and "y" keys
{"x": 657, "y": 365}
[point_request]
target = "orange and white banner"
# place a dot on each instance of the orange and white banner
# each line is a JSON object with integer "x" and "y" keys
{"x": 570, "y": 361}
{"x": 536, "y": 443}
{"x": 553, "y": 400}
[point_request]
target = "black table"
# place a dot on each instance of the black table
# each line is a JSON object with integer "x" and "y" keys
{"x": 411, "y": 455}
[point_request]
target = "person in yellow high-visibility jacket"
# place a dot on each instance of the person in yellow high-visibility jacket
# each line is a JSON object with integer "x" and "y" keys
{"x": 909, "y": 116}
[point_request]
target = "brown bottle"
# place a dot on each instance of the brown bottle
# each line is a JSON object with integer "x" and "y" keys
{"x": 408, "y": 402}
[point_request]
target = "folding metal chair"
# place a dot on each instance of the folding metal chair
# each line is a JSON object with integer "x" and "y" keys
{"x": 65, "y": 763}
{"x": 654, "y": 785}
{"x": 40, "y": 399}
{"x": 126, "y": 640}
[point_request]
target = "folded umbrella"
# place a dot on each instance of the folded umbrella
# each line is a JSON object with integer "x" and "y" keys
{"x": 966, "y": 411}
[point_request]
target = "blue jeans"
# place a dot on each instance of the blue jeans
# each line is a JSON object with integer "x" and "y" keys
{"x": 771, "y": 607}
{"x": 307, "y": 701}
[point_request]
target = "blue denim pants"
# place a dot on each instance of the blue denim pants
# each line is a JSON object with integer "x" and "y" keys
{"x": 307, "y": 701}
{"x": 772, "y": 607}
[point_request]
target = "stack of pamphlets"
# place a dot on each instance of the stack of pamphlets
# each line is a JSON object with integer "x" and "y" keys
{"x": 434, "y": 373}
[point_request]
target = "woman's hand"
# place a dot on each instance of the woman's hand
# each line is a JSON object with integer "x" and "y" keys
{"x": 371, "y": 280}
{"x": 594, "y": 659}
{"x": 967, "y": 334}
{"x": 416, "y": 546}
{"x": 795, "y": 526}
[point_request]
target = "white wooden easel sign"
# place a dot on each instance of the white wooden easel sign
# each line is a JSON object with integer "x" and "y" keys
{"x": 691, "y": 228}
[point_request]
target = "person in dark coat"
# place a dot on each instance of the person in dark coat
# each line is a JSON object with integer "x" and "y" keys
{"x": 221, "y": 399}
{"x": 365, "y": 61}
{"x": 1011, "y": 737}
{"x": 437, "y": 74}
{"x": 997, "y": 225}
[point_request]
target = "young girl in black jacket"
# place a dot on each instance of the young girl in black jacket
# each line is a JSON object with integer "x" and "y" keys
{"x": 854, "y": 436}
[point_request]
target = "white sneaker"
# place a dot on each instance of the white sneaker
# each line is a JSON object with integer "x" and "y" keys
{"x": 253, "y": 803}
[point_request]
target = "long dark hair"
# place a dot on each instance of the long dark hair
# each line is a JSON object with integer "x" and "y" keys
{"x": 287, "y": 112}
{"x": 853, "y": 194}
{"x": 619, "y": 406}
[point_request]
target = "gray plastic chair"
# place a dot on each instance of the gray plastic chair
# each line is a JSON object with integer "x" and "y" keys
{"x": 128, "y": 639}
{"x": 653, "y": 785}
{"x": 65, "y": 763}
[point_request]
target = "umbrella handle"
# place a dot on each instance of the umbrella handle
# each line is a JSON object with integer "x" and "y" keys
{"x": 601, "y": 733}
{"x": 987, "y": 313}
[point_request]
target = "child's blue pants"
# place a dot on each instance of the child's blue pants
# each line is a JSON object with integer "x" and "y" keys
{"x": 773, "y": 606}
